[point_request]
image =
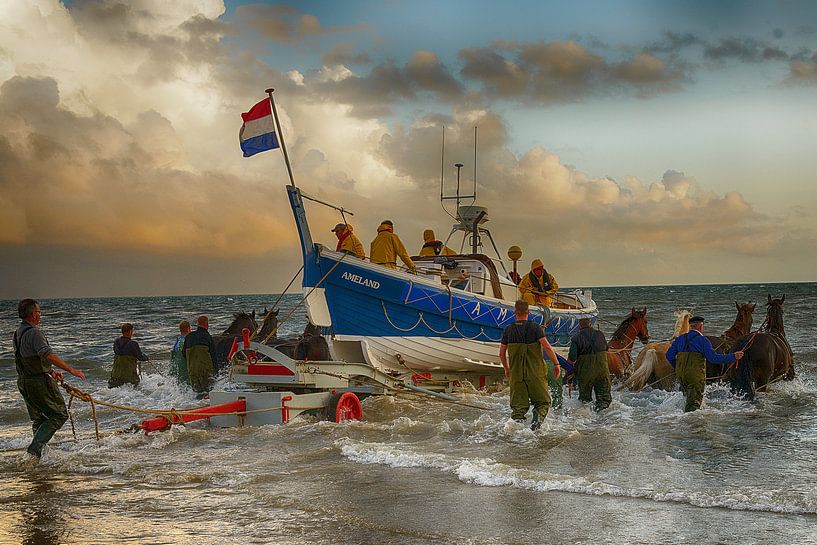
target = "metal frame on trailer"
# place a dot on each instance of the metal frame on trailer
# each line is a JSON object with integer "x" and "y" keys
{"x": 280, "y": 388}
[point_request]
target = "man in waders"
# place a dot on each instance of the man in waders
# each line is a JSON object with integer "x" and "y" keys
{"x": 588, "y": 350}
{"x": 33, "y": 358}
{"x": 522, "y": 344}
{"x": 178, "y": 361}
{"x": 127, "y": 358}
{"x": 688, "y": 356}
{"x": 201, "y": 353}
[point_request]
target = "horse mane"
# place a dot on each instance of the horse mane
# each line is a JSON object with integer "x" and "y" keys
{"x": 618, "y": 333}
{"x": 242, "y": 315}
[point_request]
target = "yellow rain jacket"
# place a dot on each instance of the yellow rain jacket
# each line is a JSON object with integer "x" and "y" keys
{"x": 387, "y": 246}
{"x": 538, "y": 290}
{"x": 349, "y": 243}
{"x": 434, "y": 247}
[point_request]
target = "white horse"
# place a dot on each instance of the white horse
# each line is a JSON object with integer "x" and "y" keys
{"x": 652, "y": 360}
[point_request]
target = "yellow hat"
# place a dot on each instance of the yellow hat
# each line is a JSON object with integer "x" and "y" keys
{"x": 428, "y": 235}
{"x": 536, "y": 264}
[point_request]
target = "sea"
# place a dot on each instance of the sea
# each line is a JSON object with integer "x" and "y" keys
{"x": 416, "y": 471}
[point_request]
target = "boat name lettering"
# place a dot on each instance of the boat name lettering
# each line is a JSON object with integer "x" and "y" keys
{"x": 476, "y": 310}
{"x": 503, "y": 313}
{"x": 357, "y": 279}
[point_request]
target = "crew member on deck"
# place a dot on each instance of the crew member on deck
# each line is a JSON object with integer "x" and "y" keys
{"x": 588, "y": 350}
{"x": 688, "y": 356}
{"x": 178, "y": 361}
{"x": 523, "y": 343}
{"x": 387, "y": 246}
{"x": 126, "y": 359}
{"x": 348, "y": 241}
{"x": 538, "y": 286}
{"x": 434, "y": 247}
{"x": 201, "y": 353}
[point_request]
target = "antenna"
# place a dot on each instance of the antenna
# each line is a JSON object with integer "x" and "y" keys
{"x": 475, "y": 163}
{"x": 442, "y": 166}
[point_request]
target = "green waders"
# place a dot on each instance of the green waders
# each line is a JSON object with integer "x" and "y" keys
{"x": 555, "y": 385}
{"x": 593, "y": 374}
{"x": 200, "y": 368}
{"x": 178, "y": 365}
{"x": 125, "y": 371}
{"x": 44, "y": 403}
{"x": 528, "y": 380}
{"x": 690, "y": 368}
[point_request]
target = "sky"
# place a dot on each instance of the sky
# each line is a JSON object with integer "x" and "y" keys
{"x": 623, "y": 143}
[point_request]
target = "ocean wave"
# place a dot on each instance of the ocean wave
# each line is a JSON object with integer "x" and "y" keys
{"x": 488, "y": 472}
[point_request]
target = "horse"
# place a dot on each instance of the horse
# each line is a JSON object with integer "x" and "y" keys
{"x": 767, "y": 353}
{"x": 224, "y": 340}
{"x": 651, "y": 365}
{"x": 723, "y": 344}
{"x": 621, "y": 343}
{"x": 310, "y": 345}
{"x": 269, "y": 327}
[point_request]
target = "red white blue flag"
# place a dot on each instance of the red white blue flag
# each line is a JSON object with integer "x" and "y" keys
{"x": 257, "y": 134}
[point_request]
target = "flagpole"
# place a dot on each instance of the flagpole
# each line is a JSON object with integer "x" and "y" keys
{"x": 280, "y": 134}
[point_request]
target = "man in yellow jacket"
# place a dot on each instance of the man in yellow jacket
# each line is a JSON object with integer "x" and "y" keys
{"x": 538, "y": 286}
{"x": 434, "y": 247}
{"x": 387, "y": 246}
{"x": 348, "y": 241}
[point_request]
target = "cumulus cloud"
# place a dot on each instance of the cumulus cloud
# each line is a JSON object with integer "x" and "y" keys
{"x": 745, "y": 50}
{"x": 564, "y": 71}
{"x": 343, "y": 53}
{"x": 282, "y": 23}
{"x": 124, "y": 148}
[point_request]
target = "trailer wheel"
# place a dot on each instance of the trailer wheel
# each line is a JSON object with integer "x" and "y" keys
{"x": 343, "y": 407}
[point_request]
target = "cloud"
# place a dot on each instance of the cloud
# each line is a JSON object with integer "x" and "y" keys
{"x": 673, "y": 42}
{"x": 803, "y": 72}
{"x": 286, "y": 24}
{"x": 744, "y": 50}
{"x": 373, "y": 94}
{"x": 342, "y": 54}
{"x": 565, "y": 71}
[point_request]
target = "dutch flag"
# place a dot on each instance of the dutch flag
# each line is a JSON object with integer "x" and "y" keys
{"x": 257, "y": 134}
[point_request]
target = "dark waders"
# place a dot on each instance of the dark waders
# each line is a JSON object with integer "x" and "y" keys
{"x": 125, "y": 371}
{"x": 690, "y": 368}
{"x": 528, "y": 380}
{"x": 200, "y": 368}
{"x": 593, "y": 375}
{"x": 44, "y": 403}
{"x": 178, "y": 366}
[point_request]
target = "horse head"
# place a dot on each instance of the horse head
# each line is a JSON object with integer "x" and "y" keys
{"x": 774, "y": 313}
{"x": 269, "y": 325}
{"x": 744, "y": 318}
{"x": 682, "y": 317}
{"x": 640, "y": 324}
{"x": 241, "y": 320}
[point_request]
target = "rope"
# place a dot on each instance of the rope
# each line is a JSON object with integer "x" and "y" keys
{"x": 275, "y": 304}
{"x": 293, "y": 309}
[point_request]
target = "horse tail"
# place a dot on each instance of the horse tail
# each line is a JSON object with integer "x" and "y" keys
{"x": 645, "y": 366}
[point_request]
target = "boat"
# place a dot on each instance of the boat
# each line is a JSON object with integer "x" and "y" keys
{"x": 446, "y": 318}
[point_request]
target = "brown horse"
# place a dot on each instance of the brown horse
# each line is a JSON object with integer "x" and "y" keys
{"x": 767, "y": 353}
{"x": 723, "y": 344}
{"x": 634, "y": 326}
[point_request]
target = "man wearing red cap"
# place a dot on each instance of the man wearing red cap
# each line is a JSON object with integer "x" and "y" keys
{"x": 348, "y": 241}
